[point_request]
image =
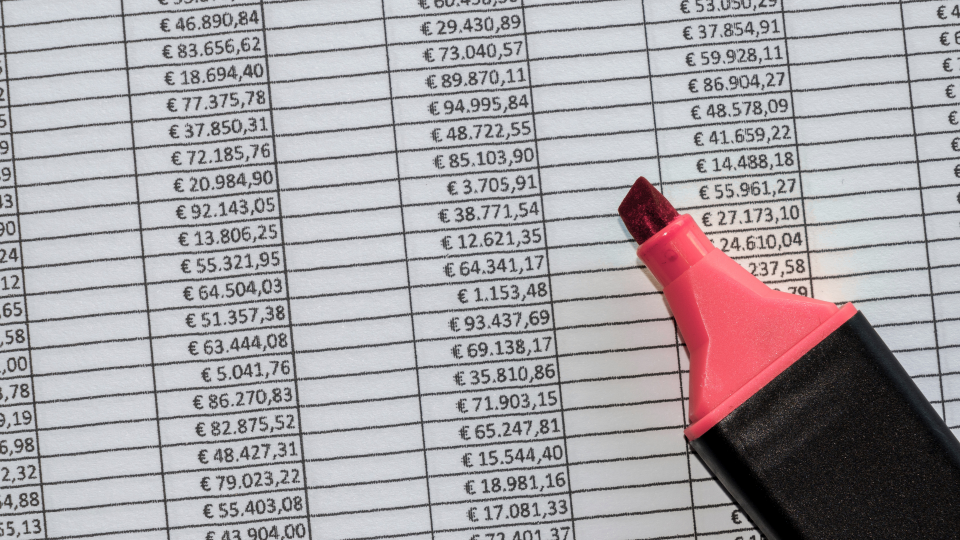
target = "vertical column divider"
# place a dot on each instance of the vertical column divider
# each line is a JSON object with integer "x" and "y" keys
{"x": 796, "y": 141}
{"x": 923, "y": 213}
{"x": 546, "y": 251}
{"x": 286, "y": 271}
{"x": 406, "y": 262}
{"x": 23, "y": 272}
{"x": 143, "y": 262}
{"x": 676, "y": 330}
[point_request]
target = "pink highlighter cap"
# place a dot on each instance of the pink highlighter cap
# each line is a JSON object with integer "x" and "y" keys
{"x": 674, "y": 249}
{"x": 734, "y": 326}
{"x": 797, "y": 407}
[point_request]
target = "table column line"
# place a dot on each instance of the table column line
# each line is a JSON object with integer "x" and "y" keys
{"x": 143, "y": 263}
{"x": 796, "y": 144}
{"x": 549, "y": 273}
{"x": 676, "y": 330}
{"x": 406, "y": 264}
{"x": 286, "y": 275}
{"x": 923, "y": 213}
{"x": 23, "y": 279}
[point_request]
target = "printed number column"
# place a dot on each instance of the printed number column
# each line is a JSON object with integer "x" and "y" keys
{"x": 932, "y": 34}
{"x": 473, "y": 213}
{"x": 219, "y": 312}
{"x": 728, "y": 156}
{"x": 21, "y": 492}
{"x": 83, "y": 277}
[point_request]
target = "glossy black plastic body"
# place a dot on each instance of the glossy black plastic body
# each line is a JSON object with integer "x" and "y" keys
{"x": 842, "y": 444}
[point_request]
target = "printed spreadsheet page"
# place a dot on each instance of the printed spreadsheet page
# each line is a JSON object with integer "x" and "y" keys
{"x": 352, "y": 269}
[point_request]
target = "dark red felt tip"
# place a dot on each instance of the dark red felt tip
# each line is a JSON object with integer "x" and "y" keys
{"x": 645, "y": 211}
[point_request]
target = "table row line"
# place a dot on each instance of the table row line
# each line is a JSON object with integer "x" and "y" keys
{"x": 293, "y": 11}
{"x": 374, "y": 178}
{"x": 194, "y": 416}
{"x": 369, "y": 105}
{"x": 454, "y": 256}
{"x": 175, "y": 228}
{"x": 286, "y": 51}
{"x": 618, "y": 150}
{"x": 278, "y": 19}
{"x": 157, "y": 141}
{"x": 72, "y": 284}
{"x": 546, "y": 75}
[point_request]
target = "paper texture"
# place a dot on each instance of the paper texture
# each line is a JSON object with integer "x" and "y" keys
{"x": 339, "y": 269}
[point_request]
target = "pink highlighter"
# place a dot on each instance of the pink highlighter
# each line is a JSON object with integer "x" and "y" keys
{"x": 797, "y": 406}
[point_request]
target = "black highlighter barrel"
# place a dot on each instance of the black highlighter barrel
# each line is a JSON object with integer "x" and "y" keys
{"x": 841, "y": 445}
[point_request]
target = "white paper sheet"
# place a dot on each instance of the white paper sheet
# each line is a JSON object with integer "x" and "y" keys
{"x": 351, "y": 269}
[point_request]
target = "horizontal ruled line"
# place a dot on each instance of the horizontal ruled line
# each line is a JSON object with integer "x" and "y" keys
{"x": 568, "y": 254}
